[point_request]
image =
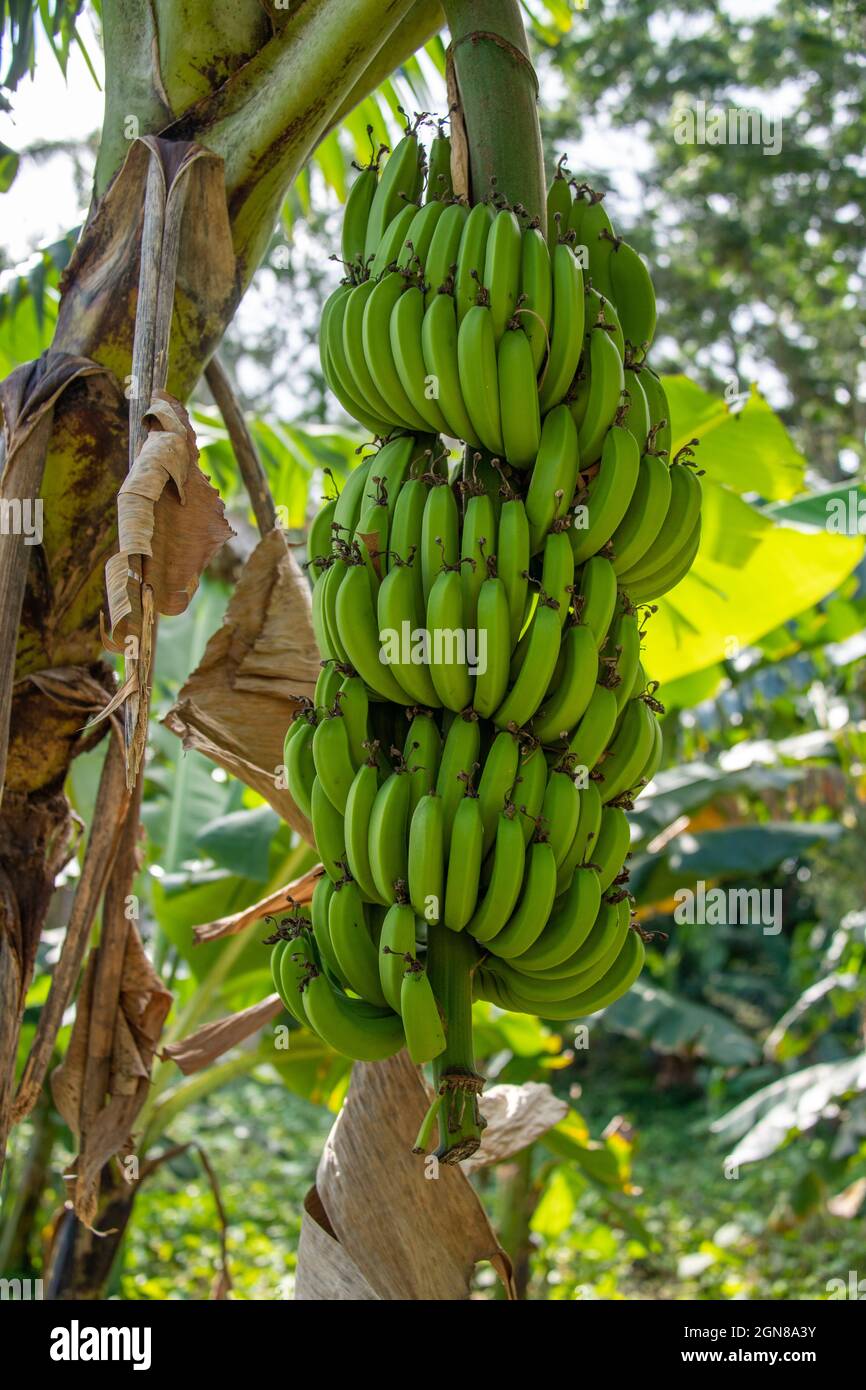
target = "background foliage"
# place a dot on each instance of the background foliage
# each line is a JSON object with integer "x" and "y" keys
{"x": 747, "y": 1044}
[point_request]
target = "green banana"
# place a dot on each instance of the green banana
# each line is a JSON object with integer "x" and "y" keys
{"x": 558, "y": 207}
{"x": 654, "y": 760}
{"x": 568, "y": 926}
{"x": 439, "y": 349}
{"x": 609, "y": 494}
{"x": 530, "y": 915}
{"x": 616, "y": 982}
{"x": 560, "y": 810}
{"x": 629, "y": 750}
{"x": 359, "y": 809}
{"x": 328, "y": 831}
{"x": 425, "y": 1036}
{"x": 317, "y": 617}
{"x": 519, "y": 412}
{"x": 660, "y": 413}
{"x": 397, "y": 941}
{"x": 294, "y": 966}
{"x": 392, "y": 242}
{"x": 440, "y": 531}
{"x": 666, "y": 577}
{"x": 679, "y": 523}
{"x": 527, "y": 693}
{"x": 636, "y": 416}
{"x": 459, "y": 756}
{"x": 441, "y": 264}
{"x": 512, "y": 560}
{"x": 353, "y": 350}
{"x": 591, "y": 960}
{"x": 351, "y": 499}
{"x": 620, "y": 657}
{"x": 573, "y": 217}
{"x": 494, "y": 646}
{"x": 328, "y": 682}
{"x": 597, "y": 234}
{"x": 592, "y": 734}
{"x": 319, "y": 537}
{"x": 405, "y": 331}
{"x": 568, "y": 978}
{"x": 334, "y": 580}
{"x": 339, "y": 374}
{"x": 427, "y": 857}
{"x": 351, "y": 942}
{"x": 388, "y": 839}
{"x": 535, "y": 304}
{"x": 632, "y": 291}
{"x": 557, "y": 571}
{"x": 479, "y": 377}
{"x": 439, "y": 184}
{"x": 354, "y": 703}
{"x": 609, "y": 849}
{"x": 333, "y": 758}
{"x": 647, "y": 509}
{"x": 606, "y": 384}
{"x": 291, "y": 1000}
{"x": 551, "y": 483}
{"x": 359, "y": 633}
{"x": 470, "y": 258}
{"x": 501, "y": 278}
{"x": 356, "y": 215}
{"x": 404, "y": 539}
{"x": 601, "y": 313}
{"x": 588, "y": 823}
{"x": 351, "y": 1026}
{"x": 446, "y": 624}
{"x": 422, "y": 751}
{"x": 413, "y": 255}
{"x": 319, "y": 910}
{"x": 401, "y": 181}
{"x": 561, "y": 711}
{"x": 464, "y": 863}
{"x": 595, "y": 599}
{"x": 529, "y": 789}
{"x": 566, "y": 339}
{"x": 371, "y": 533}
{"x": 401, "y": 616}
{"x": 301, "y": 767}
{"x": 497, "y": 780}
{"x": 376, "y": 338}
{"x": 506, "y": 879}
{"x": 477, "y": 541}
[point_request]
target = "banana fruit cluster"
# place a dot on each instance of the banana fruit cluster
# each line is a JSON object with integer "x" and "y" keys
{"x": 456, "y": 321}
{"x": 483, "y": 720}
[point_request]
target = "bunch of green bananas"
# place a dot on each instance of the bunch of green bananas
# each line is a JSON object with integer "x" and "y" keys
{"x": 457, "y": 321}
{"x": 483, "y": 720}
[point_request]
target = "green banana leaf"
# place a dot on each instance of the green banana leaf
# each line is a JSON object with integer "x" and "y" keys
{"x": 789, "y": 1107}
{"x": 240, "y": 841}
{"x": 669, "y": 1024}
{"x": 846, "y": 502}
{"x": 748, "y": 450}
{"x": 683, "y": 789}
{"x": 740, "y": 852}
{"x": 751, "y": 574}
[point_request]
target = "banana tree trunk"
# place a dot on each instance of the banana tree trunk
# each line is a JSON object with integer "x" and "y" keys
{"x": 252, "y": 95}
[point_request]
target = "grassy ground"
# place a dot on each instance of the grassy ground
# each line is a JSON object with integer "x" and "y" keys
{"x": 717, "y": 1238}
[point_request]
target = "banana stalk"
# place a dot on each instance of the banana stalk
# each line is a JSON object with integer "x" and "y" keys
{"x": 451, "y": 957}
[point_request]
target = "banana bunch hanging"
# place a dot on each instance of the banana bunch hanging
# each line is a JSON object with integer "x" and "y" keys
{"x": 483, "y": 719}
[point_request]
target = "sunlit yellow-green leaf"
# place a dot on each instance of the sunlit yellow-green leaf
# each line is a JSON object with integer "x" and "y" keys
{"x": 747, "y": 449}
{"x": 750, "y": 575}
